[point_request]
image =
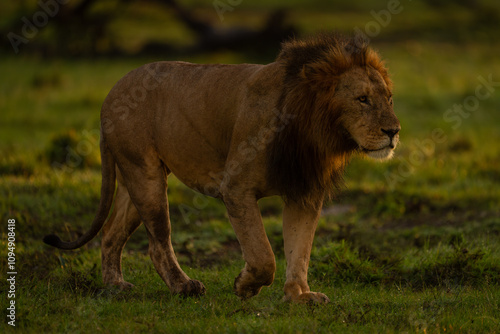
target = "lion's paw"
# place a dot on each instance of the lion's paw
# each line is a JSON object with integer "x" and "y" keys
{"x": 193, "y": 288}
{"x": 121, "y": 285}
{"x": 248, "y": 291}
{"x": 309, "y": 298}
{"x": 247, "y": 286}
{"x": 125, "y": 285}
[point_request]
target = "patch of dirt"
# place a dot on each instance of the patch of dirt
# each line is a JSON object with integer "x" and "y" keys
{"x": 229, "y": 251}
{"x": 452, "y": 217}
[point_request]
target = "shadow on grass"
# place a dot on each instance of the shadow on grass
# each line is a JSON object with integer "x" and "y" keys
{"x": 445, "y": 267}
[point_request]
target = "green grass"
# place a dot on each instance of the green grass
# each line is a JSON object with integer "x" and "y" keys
{"x": 74, "y": 301}
{"x": 413, "y": 249}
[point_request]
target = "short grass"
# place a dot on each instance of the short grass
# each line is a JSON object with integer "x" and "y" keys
{"x": 410, "y": 245}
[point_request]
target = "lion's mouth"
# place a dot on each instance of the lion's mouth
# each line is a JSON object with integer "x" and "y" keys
{"x": 385, "y": 152}
{"x": 388, "y": 147}
{"x": 367, "y": 150}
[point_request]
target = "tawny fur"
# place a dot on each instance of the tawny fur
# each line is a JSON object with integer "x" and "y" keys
{"x": 239, "y": 133}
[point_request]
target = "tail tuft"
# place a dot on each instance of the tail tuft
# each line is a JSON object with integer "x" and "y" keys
{"x": 52, "y": 240}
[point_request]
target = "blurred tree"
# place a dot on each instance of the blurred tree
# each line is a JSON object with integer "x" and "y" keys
{"x": 82, "y": 29}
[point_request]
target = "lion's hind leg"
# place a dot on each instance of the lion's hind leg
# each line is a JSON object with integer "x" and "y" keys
{"x": 122, "y": 223}
{"x": 147, "y": 187}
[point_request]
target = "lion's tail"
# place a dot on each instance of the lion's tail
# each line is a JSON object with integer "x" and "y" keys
{"x": 107, "y": 194}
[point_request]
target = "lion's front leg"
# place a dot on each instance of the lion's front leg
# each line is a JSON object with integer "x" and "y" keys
{"x": 260, "y": 264}
{"x": 299, "y": 225}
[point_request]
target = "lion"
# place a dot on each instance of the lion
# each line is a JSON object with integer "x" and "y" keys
{"x": 239, "y": 133}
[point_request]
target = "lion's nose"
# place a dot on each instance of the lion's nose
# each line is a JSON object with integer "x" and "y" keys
{"x": 391, "y": 132}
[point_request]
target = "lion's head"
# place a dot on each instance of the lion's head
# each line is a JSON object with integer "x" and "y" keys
{"x": 339, "y": 94}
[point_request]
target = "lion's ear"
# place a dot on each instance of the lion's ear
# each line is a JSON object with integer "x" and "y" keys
{"x": 317, "y": 77}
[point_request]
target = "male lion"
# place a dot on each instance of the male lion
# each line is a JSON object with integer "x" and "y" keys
{"x": 239, "y": 133}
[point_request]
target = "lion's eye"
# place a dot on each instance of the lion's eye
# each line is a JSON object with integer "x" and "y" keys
{"x": 390, "y": 100}
{"x": 363, "y": 99}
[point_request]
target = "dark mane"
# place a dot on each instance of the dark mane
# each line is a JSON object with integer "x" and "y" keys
{"x": 306, "y": 159}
